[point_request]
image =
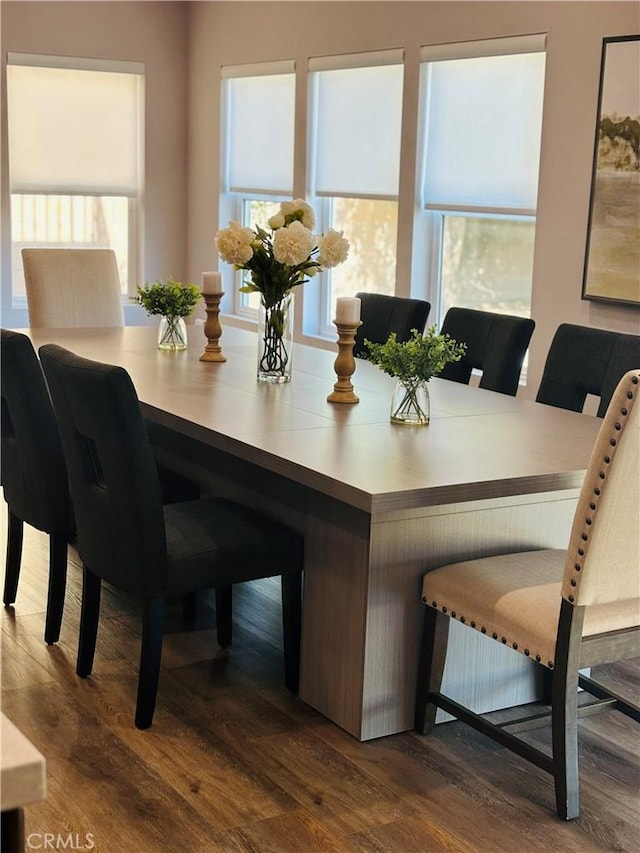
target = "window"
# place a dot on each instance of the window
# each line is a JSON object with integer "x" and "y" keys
{"x": 354, "y": 129}
{"x": 257, "y": 153}
{"x": 75, "y": 158}
{"x": 481, "y": 106}
{"x": 475, "y": 161}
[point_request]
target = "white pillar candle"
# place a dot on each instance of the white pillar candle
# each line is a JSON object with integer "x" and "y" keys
{"x": 347, "y": 309}
{"x": 211, "y": 282}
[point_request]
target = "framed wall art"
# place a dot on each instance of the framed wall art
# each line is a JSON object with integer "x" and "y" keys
{"x": 612, "y": 258}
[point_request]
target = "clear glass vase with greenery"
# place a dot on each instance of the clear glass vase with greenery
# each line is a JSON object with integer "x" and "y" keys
{"x": 413, "y": 363}
{"x": 172, "y": 301}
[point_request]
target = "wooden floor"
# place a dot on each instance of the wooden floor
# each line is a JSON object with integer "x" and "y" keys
{"x": 234, "y": 763}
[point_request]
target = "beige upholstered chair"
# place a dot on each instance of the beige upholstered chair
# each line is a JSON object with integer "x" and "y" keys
{"x": 567, "y": 610}
{"x": 72, "y": 287}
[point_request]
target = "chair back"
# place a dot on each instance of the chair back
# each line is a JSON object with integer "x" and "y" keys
{"x": 603, "y": 558}
{"x": 381, "y": 315}
{"x": 34, "y": 475}
{"x": 112, "y": 471}
{"x": 582, "y": 361}
{"x": 72, "y": 287}
{"x": 496, "y": 345}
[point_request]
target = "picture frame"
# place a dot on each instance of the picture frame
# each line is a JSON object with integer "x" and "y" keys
{"x": 612, "y": 256}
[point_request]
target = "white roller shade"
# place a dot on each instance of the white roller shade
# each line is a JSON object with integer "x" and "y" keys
{"x": 259, "y": 130}
{"x": 534, "y": 43}
{"x": 358, "y": 115}
{"x": 484, "y": 118}
{"x": 74, "y": 130}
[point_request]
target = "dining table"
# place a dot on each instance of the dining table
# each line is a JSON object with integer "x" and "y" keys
{"x": 379, "y": 504}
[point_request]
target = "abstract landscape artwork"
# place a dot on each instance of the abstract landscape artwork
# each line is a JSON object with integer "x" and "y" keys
{"x": 612, "y": 261}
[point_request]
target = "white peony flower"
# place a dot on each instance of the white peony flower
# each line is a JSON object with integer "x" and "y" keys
{"x": 298, "y": 209}
{"x": 333, "y": 248}
{"x": 234, "y": 244}
{"x": 292, "y": 245}
{"x": 285, "y": 256}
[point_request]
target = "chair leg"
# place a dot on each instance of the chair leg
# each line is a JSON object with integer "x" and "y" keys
{"x": 547, "y": 686}
{"x": 190, "y": 606}
{"x": 224, "y": 615}
{"x": 89, "y": 616}
{"x": 433, "y": 652}
{"x": 150, "y": 654}
{"x": 57, "y": 586}
{"x": 564, "y": 711}
{"x": 291, "y": 585}
{"x": 14, "y": 556}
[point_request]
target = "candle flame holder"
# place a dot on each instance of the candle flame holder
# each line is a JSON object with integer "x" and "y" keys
{"x": 345, "y": 364}
{"x": 213, "y": 328}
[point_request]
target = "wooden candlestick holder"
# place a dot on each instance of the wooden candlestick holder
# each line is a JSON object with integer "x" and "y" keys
{"x": 345, "y": 364}
{"x": 212, "y": 328}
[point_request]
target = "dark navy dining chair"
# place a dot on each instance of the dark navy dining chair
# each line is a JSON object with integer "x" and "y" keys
{"x": 129, "y": 539}
{"x": 496, "y": 346}
{"x": 381, "y": 315}
{"x": 583, "y": 360}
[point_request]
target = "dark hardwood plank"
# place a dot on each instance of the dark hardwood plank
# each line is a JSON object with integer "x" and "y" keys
{"x": 234, "y": 764}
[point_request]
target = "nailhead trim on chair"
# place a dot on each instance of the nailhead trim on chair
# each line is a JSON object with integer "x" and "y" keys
{"x": 483, "y": 630}
{"x": 593, "y": 505}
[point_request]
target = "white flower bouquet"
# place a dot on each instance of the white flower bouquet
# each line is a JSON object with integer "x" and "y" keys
{"x": 279, "y": 261}
{"x": 286, "y": 257}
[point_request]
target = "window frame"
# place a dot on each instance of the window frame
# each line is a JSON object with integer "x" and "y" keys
{"x": 418, "y": 271}
{"x": 318, "y": 303}
{"x": 135, "y": 212}
{"x": 428, "y": 227}
{"x": 232, "y": 201}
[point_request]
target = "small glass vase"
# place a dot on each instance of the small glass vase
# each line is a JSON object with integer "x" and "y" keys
{"x": 172, "y": 334}
{"x": 275, "y": 340}
{"x": 410, "y": 403}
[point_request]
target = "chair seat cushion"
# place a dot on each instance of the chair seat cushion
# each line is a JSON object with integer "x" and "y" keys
{"x": 214, "y": 542}
{"x": 515, "y": 598}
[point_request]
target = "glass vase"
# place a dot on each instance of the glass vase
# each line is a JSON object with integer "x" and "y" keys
{"x": 172, "y": 334}
{"x": 410, "y": 403}
{"x": 275, "y": 340}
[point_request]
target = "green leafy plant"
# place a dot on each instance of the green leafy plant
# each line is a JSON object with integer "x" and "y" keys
{"x": 169, "y": 298}
{"x": 417, "y": 359}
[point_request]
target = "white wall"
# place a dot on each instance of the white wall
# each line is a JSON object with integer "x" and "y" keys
{"x": 183, "y": 46}
{"x": 232, "y": 33}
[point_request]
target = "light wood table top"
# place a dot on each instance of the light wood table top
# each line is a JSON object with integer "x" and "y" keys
{"x": 478, "y": 445}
